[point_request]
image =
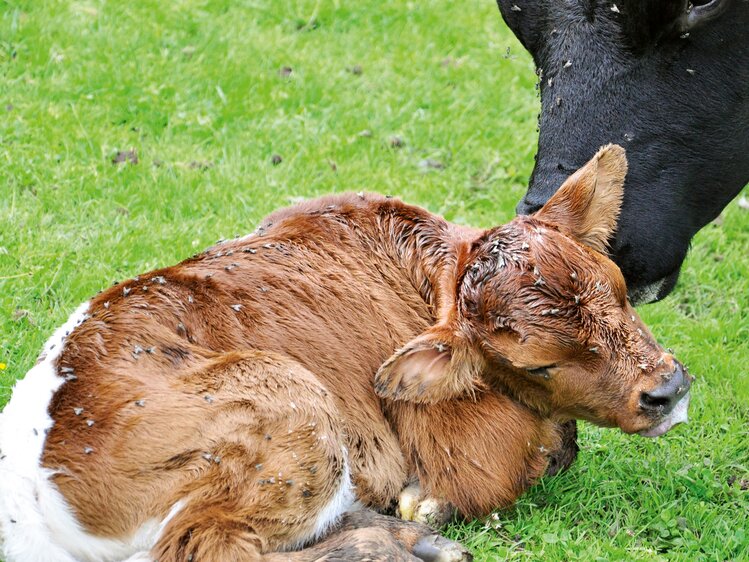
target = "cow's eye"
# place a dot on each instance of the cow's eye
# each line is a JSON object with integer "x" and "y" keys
{"x": 542, "y": 372}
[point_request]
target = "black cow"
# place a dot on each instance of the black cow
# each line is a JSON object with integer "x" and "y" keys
{"x": 668, "y": 80}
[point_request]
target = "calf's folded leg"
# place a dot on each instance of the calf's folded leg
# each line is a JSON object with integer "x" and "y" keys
{"x": 280, "y": 475}
{"x": 477, "y": 455}
{"x": 246, "y": 453}
{"x": 366, "y": 535}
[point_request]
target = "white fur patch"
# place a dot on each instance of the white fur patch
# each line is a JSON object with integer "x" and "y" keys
{"x": 68, "y": 534}
{"x": 140, "y": 557}
{"x": 23, "y": 483}
{"x": 36, "y": 524}
{"x": 342, "y": 501}
{"x": 647, "y": 294}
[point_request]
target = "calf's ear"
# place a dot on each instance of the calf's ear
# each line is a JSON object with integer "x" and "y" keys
{"x": 588, "y": 203}
{"x": 437, "y": 365}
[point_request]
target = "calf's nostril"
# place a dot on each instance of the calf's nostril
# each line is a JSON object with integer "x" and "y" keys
{"x": 651, "y": 402}
{"x": 663, "y": 398}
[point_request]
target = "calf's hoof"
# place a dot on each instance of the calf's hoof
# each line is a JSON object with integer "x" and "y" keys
{"x": 366, "y": 535}
{"x": 436, "y": 548}
{"x": 413, "y": 506}
{"x": 561, "y": 459}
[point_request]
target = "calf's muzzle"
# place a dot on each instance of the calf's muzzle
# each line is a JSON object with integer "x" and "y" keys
{"x": 663, "y": 398}
{"x": 669, "y": 401}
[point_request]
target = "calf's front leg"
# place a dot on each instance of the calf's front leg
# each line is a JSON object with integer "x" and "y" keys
{"x": 477, "y": 455}
{"x": 562, "y": 458}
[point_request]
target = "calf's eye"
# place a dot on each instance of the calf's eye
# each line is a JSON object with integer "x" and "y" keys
{"x": 542, "y": 372}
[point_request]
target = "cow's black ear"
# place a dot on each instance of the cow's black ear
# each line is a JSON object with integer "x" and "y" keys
{"x": 526, "y": 19}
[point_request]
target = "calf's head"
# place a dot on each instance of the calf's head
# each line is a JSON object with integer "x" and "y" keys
{"x": 538, "y": 311}
{"x": 668, "y": 79}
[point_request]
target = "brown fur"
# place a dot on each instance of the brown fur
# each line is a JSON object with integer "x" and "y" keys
{"x": 234, "y": 380}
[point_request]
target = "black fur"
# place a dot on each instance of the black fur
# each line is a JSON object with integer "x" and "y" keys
{"x": 678, "y": 104}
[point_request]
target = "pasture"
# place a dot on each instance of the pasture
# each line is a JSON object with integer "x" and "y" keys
{"x": 133, "y": 135}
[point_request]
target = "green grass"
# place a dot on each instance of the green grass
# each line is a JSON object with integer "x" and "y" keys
{"x": 196, "y": 89}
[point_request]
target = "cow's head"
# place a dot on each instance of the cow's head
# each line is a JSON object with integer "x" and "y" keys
{"x": 667, "y": 79}
{"x": 541, "y": 313}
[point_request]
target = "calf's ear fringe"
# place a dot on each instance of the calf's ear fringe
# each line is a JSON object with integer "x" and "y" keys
{"x": 431, "y": 368}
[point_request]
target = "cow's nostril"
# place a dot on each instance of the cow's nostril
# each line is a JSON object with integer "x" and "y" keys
{"x": 525, "y": 207}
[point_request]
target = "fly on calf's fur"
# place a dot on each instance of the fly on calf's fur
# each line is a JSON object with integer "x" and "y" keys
{"x": 246, "y": 425}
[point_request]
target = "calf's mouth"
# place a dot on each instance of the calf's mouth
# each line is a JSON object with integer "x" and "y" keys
{"x": 676, "y": 416}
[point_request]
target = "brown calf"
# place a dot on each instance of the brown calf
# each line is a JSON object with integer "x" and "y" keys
{"x": 227, "y": 408}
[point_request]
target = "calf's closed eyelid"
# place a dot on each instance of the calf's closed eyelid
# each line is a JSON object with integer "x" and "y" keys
{"x": 543, "y": 372}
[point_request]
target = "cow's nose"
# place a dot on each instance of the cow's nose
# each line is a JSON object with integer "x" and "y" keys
{"x": 663, "y": 398}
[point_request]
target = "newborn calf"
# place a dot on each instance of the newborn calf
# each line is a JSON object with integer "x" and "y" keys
{"x": 235, "y": 405}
